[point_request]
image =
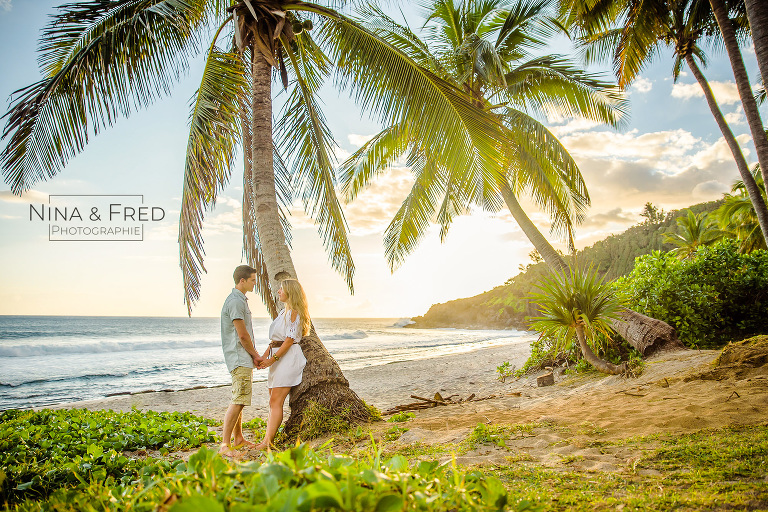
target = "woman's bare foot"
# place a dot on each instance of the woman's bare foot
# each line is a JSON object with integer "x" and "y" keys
{"x": 227, "y": 451}
{"x": 242, "y": 443}
{"x": 261, "y": 446}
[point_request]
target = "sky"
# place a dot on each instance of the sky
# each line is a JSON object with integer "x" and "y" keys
{"x": 669, "y": 152}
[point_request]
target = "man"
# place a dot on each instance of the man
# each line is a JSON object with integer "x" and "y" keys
{"x": 240, "y": 355}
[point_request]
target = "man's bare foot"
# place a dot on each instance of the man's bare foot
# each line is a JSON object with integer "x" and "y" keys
{"x": 227, "y": 451}
{"x": 261, "y": 446}
{"x": 242, "y": 443}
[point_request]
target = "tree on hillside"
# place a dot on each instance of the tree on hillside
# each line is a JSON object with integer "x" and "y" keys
{"x": 102, "y": 59}
{"x": 630, "y": 33}
{"x": 693, "y": 231}
{"x": 737, "y": 219}
{"x": 484, "y": 47}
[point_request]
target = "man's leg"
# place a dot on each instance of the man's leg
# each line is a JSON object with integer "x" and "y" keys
{"x": 277, "y": 398}
{"x": 241, "y": 396}
{"x": 238, "y": 431}
{"x": 234, "y": 411}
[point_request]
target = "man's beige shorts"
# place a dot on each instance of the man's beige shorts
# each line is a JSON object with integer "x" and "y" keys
{"x": 241, "y": 385}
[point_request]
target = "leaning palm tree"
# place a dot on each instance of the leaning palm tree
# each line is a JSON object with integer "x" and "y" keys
{"x": 103, "y": 59}
{"x": 578, "y": 303}
{"x": 632, "y": 32}
{"x": 730, "y": 16}
{"x": 693, "y": 231}
{"x": 737, "y": 219}
{"x": 484, "y": 48}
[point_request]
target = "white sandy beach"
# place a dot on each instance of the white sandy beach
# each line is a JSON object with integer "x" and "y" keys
{"x": 382, "y": 386}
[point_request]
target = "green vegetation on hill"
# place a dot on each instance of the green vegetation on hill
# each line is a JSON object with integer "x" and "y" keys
{"x": 506, "y": 306}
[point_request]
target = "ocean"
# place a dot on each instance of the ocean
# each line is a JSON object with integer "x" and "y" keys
{"x": 46, "y": 360}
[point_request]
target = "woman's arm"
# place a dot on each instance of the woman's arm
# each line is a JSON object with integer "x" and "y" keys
{"x": 284, "y": 347}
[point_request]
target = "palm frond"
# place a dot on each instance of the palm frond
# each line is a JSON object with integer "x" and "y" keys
{"x": 577, "y": 297}
{"x": 213, "y": 139}
{"x": 400, "y": 37}
{"x": 306, "y": 141}
{"x": 542, "y": 167}
{"x": 551, "y": 85}
{"x": 398, "y": 90}
{"x": 100, "y": 60}
{"x": 641, "y": 37}
{"x": 373, "y": 158}
{"x": 412, "y": 219}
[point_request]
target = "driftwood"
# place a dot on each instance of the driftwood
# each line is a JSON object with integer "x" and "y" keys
{"x": 429, "y": 403}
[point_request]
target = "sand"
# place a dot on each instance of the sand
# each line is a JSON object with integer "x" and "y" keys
{"x": 575, "y": 419}
{"x": 382, "y": 386}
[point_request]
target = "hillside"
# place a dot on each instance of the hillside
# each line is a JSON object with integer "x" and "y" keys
{"x": 506, "y": 306}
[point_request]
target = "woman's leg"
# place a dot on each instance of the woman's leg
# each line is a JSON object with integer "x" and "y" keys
{"x": 277, "y": 398}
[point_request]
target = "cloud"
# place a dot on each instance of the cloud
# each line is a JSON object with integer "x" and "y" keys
{"x": 736, "y": 117}
{"x": 573, "y": 125}
{"x": 374, "y": 208}
{"x": 5, "y": 5}
{"x": 642, "y": 85}
{"x": 631, "y": 145}
{"x": 672, "y": 169}
{"x": 615, "y": 216}
{"x": 358, "y": 140}
{"x": 726, "y": 93}
{"x": 28, "y": 197}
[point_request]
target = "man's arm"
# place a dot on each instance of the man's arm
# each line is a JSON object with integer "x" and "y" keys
{"x": 245, "y": 339}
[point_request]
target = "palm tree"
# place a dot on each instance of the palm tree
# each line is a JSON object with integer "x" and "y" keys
{"x": 578, "y": 303}
{"x": 737, "y": 218}
{"x": 694, "y": 231}
{"x": 729, "y": 28}
{"x": 483, "y": 47}
{"x": 103, "y": 59}
{"x": 644, "y": 27}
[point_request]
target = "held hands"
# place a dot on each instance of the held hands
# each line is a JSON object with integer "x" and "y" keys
{"x": 265, "y": 363}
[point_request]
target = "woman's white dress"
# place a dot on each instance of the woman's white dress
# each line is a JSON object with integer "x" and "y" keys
{"x": 286, "y": 372}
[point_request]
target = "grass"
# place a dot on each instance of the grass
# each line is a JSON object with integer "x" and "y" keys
{"x": 707, "y": 470}
{"x": 716, "y": 469}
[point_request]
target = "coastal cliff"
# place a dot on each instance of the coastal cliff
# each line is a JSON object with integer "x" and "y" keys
{"x": 507, "y": 306}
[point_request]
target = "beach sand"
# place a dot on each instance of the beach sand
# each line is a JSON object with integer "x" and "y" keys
{"x": 383, "y": 386}
{"x": 676, "y": 393}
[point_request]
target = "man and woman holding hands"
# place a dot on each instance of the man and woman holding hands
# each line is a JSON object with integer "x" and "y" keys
{"x": 283, "y": 356}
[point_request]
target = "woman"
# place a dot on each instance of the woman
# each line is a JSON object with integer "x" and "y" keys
{"x": 284, "y": 357}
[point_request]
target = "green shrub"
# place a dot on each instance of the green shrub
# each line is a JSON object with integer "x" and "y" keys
{"x": 714, "y": 297}
{"x": 45, "y": 450}
{"x": 297, "y": 479}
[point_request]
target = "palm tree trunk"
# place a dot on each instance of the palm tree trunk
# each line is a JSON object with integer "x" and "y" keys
{"x": 749, "y": 181}
{"x": 550, "y": 255}
{"x": 603, "y": 366}
{"x": 277, "y": 256}
{"x": 645, "y": 334}
{"x": 742, "y": 83}
{"x": 322, "y": 382}
{"x": 757, "y": 13}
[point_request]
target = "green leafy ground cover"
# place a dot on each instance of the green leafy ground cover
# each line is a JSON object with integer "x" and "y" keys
{"x": 707, "y": 470}
{"x": 46, "y": 450}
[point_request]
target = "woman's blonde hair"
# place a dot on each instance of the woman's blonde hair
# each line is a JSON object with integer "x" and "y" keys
{"x": 297, "y": 301}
